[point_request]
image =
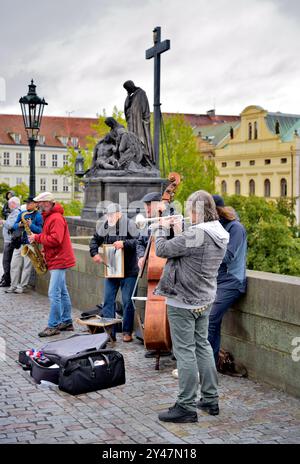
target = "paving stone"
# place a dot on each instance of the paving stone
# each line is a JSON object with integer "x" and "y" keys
{"x": 30, "y": 413}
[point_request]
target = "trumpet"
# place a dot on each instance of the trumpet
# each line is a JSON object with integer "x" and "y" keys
{"x": 141, "y": 221}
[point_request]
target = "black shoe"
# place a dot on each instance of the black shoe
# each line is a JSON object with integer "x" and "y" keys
{"x": 64, "y": 326}
{"x": 178, "y": 414}
{"x": 4, "y": 284}
{"x": 154, "y": 353}
{"x": 210, "y": 408}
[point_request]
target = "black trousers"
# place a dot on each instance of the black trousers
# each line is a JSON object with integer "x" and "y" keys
{"x": 6, "y": 260}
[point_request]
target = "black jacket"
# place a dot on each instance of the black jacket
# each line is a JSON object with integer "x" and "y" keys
{"x": 121, "y": 231}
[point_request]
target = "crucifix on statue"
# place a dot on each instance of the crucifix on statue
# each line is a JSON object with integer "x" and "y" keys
{"x": 155, "y": 52}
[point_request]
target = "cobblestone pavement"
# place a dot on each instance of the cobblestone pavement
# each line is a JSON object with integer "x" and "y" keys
{"x": 30, "y": 413}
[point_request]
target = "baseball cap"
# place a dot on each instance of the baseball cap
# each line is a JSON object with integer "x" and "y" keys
{"x": 219, "y": 201}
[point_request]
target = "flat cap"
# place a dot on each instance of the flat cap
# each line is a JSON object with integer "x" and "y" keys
{"x": 152, "y": 196}
{"x": 113, "y": 208}
{"x": 45, "y": 196}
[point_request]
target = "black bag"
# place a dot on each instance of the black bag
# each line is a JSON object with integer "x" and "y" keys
{"x": 88, "y": 372}
{"x": 24, "y": 360}
{"x": 48, "y": 371}
{"x": 16, "y": 238}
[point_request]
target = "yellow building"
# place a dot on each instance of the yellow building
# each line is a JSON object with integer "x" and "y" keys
{"x": 261, "y": 156}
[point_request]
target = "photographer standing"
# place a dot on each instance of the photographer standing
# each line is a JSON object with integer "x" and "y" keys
{"x": 14, "y": 208}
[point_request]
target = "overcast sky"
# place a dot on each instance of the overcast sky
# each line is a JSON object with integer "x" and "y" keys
{"x": 224, "y": 54}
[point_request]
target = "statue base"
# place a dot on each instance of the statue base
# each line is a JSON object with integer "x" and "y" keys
{"x": 127, "y": 190}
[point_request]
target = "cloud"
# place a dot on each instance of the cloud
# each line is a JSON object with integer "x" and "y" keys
{"x": 231, "y": 53}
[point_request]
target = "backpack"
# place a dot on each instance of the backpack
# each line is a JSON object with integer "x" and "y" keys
{"x": 226, "y": 365}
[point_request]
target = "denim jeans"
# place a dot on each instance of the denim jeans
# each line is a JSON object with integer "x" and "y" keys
{"x": 6, "y": 261}
{"x": 60, "y": 303}
{"x": 111, "y": 287}
{"x": 194, "y": 354}
{"x": 224, "y": 300}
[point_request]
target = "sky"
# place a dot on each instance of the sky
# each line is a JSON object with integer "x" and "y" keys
{"x": 224, "y": 54}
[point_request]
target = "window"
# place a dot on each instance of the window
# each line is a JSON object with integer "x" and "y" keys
{"x": 19, "y": 180}
{"x": 17, "y": 138}
{"x": 268, "y": 161}
{"x": 251, "y": 187}
{"x": 267, "y": 188}
{"x": 64, "y": 140}
{"x": 54, "y": 185}
{"x": 249, "y": 131}
{"x": 43, "y": 160}
{"x": 237, "y": 187}
{"x": 42, "y": 139}
{"x": 255, "y": 130}
{"x": 65, "y": 184}
{"x": 54, "y": 161}
{"x": 224, "y": 164}
{"x": 43, "y": 185}
{"x": 252, "y": 162}
{"x": 283, "y": 160}
{"x": 283, "y": 188}
{"x": 18, "y": 159}
{"x": 6, "y": 158}
{"x": 237, "y": 163}
{"x": 65, "y": 160}
{"x": 223, "y": 187}
{"x": 74, "y": 141}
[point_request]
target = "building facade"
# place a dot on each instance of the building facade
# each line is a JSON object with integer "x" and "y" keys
{"x": 56, "y": 135}
{"x": 261, "y": 156}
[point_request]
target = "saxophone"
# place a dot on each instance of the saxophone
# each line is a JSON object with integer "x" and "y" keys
{"x": 32, "y": 250}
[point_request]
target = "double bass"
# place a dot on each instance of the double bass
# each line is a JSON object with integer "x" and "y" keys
{"x": 156, "y": 325}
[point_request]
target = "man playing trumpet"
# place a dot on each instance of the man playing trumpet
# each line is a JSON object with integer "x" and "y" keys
{"x": 189, "y": 283}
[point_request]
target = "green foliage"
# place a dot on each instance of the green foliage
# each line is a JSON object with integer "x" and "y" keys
{"x": 73, "y": 208}
{"x": 196, "y": 172}
{"x": 21, "y": 191}
{"x": 272, "y": 244}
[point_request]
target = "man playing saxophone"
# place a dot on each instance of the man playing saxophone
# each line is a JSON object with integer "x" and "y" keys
{"x": 21, "y": 266}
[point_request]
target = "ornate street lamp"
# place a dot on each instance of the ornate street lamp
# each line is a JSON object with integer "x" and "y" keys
{"x": 32, "y": 107}
{"x": 79, "y": 165}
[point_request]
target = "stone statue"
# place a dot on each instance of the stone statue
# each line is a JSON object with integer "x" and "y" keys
{"x": 137, "y": 114}
{"x": 119, "y": 150}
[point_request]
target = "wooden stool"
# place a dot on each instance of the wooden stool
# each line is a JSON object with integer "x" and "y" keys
{"x": 95, "y": 324}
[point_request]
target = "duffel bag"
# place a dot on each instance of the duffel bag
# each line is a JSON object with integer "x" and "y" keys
{"x": 88, "y": 372}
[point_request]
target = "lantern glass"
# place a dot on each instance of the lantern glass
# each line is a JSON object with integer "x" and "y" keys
{"x": 32, "y": 107}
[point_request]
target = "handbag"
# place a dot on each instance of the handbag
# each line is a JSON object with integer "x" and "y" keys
{"x": 92, "y": 371}
{"x": 16, "y": 238}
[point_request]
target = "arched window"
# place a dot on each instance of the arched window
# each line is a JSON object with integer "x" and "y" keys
{"x": 267, "y": 186}
{"x": 223, "y": 187}
{"x": 283, "y": 188}
{"x": 255, "y": 130}
{"x": 251, "y": 187}
{"x": 250, "y": 131}
{"x": 237, "y": 187}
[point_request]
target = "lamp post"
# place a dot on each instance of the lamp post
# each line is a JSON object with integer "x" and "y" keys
{"x": 79, "y": 165}
{"x": 32, "y": 107}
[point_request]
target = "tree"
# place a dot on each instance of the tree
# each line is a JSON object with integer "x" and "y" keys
{"x": 272, "y": 244}
{"x": 181, "y": 145}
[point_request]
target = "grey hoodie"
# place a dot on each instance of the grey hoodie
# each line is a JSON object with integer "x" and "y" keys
{"x": 193, "y": 260}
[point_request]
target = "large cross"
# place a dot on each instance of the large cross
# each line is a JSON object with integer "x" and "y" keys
{"x": 155, "y": 52}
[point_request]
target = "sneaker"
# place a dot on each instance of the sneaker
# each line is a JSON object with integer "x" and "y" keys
{"x": 11, "y": 290}
{"x": 210, "y": 408}
{"x": 127, "y": 338}
{"x": 65, "y": 326}
{"x": 178, "y": 414}
{"x": 49, "y": 331}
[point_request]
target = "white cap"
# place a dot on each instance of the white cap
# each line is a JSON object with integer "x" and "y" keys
{"x": 45, "y": 196}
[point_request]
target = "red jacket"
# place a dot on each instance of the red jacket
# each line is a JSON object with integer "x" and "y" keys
{"x": 55, "y": 239}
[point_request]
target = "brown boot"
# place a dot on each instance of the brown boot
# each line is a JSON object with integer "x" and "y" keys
{"x": 49, "y": 331}
{"x": 127, "y": 338}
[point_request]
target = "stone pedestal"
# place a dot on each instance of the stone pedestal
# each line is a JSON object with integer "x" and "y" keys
{"x": 127, "y": 190}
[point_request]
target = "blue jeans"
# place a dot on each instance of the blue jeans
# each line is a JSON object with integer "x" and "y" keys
{"x": 60, "y": 303}
{"x": 111, "y": 287}
{"x": 224, "y": 300}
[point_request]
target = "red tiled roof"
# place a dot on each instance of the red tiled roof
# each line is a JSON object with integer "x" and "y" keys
{"x": 196, "y": 120}
{"x": 52, "y": 127}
